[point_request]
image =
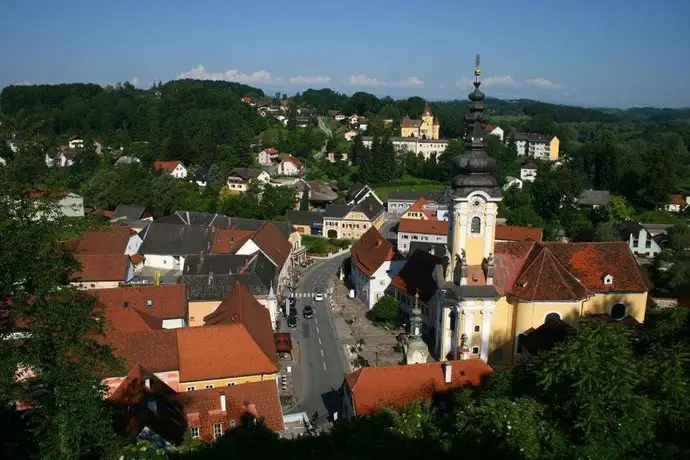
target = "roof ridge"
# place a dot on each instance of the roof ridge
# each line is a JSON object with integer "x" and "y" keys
{"x": 560, "y": 269}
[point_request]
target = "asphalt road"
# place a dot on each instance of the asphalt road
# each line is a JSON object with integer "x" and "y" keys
{"x": 329, "y": 133}
{"x": 322, "y": 365}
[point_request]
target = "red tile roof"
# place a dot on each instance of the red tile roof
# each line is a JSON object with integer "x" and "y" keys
{"x": 428, "y": 227}
{"x": 677, "y": 198}
{"x": 418, "y": 206}
{"x": 107, "y": 240}
{"x": 516, "y": 233}
{"x": 225, "y": 351}
{"x": 101, "y": 267}
{"x": 371, "y": 251}
{"x": 374, "y": 388}
{"x": 229, "y": 241}
{"x": 168, "y": 301}
{"x": 258, "y": 400}
{"x": 488, "y": 128}
{"x": 544, "y": 278}
{"x": 168, "y": 166}
{"x": 272, "y": 151}
{"x": 407, "y": 122}
{"x": 294, "y": 160}
{"x": 272, "y": 243}
{"x": 156, "y": 350}
{"x": 131, "y": 320}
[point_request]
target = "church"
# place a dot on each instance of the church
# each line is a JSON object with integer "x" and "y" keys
{"x": 426, "y": 128}
{"x": 483, "y": 298}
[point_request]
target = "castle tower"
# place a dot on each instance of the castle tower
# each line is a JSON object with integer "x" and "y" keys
{"x": 417, "y": 351}
{"x": 475, "y": 197}
{"x": 430, "y": 127}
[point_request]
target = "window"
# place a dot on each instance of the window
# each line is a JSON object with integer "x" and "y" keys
{"x": 453, "y": 319}
{"x": 618, "y": 311}
{"x": 195, "y": 431}
{"x": 208, "y": 387}
{"x": 552, "y": 316}
{"x": 191, "y": 388}
{"x": 217, "y": 430}
{"x": 231, "y": 384}
{"x": 476, "y": 328}
{"x": 475, "y": 350}
{"x": 476, "y": 226}
{"x": 233, "y": 423}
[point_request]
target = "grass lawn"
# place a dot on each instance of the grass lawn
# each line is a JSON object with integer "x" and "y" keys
{"x": 320, "y": 246}
{"x": 382, "y": 192}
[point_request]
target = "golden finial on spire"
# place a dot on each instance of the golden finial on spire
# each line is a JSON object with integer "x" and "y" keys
{"x": 416, "y": 298}
{"x": 477, "y": 71}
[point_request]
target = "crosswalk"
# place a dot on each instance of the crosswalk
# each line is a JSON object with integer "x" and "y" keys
{"x": 307, "y": 295}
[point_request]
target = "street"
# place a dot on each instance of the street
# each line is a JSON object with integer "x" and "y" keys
{"x": 322, "y": 365}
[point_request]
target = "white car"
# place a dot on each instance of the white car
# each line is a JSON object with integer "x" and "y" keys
{"x": 318, "y": 296}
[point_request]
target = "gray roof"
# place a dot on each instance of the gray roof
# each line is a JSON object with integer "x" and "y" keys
{"x": 127, "y": 160}
{"x": 337, "y": 210}
{"x": 628, "y": 228}
{"x": 240, "y": 223}
{"x": 199, "y": 175}
{"x": 410, "y": 139}
{"x": 320, "y": 192}
{"x": 304, "y": 217}
{"x": 411, "y": 195}
{"x": 439, "y": 249}
{"x": 528, "y": 166}
{"x": 532, "y": 137}
{"x": 370, "y": 206}
{"x": 164, "y": 238}
{"x": 204, "y": 219}
{"x": 487, "y": 291}
{"x": 217, "y": 264}
{"x": 594, "y": 197}
{"x": 245, "y": 173}
{"x": 657, "y": 227}
{"x": 129, "y": 211}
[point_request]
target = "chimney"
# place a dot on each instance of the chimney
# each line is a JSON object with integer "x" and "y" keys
{"x": 149, "y": 304}
{"x": 147, "y": 382}
{"x": 223, "y": 402}
{"x": 447, "y": 372}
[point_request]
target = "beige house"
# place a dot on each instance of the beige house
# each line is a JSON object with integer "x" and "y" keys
{"x": 490, "y": 296}
{"x": 353, "y": 220}
{"x": 240, "y": 178}
{"x": 427, "y": 127}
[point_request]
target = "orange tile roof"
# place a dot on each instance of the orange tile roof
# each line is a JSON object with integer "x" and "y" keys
{"x": 168, "y": 301}
{"x": 418, "y": 206}
{"x": 374, "y": 388}
{"x": 223, "y": 351}
{"x": 516, "y": 233}
{"x": 544, "y": 278}
{"x": 229, "y": 241}
{"x": 131, "y": 320}
{"x": 258, "y": 400}
{"x": 101, "y": 267}
{"x": 371, "y": 251}
{"x": 273, "y": 243}
{"x": 137, "y": 258}
{"x": 156, "y": 349}
{"x": 677, "y": 198}
{"x": 294, "y": 160}
{"x": 428, "y": 227}
{"x": 168, "y": 166}
{"x": 107, "y": 240}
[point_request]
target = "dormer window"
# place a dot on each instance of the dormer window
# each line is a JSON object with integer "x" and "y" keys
{"x": 608, "y": 279}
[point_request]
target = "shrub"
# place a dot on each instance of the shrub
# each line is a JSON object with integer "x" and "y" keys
{"x": 386, "y": 308}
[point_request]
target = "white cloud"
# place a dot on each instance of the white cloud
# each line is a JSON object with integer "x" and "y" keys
{"x": 200, "y": 73}
{"x": 499, "y": 81}
{"x": 310, "y": 80}
{"x": 24, "y": 83}
{"x": 363, "y": 80}
{"x": 135, "y": 81}
{"x": 541, "y": 82}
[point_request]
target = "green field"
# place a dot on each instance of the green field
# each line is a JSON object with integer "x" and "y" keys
{"x": 382, "y": 192}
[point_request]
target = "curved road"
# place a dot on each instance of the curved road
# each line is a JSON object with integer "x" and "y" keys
{"x": 329, "y": 133}
{"x": 322, "y": 365}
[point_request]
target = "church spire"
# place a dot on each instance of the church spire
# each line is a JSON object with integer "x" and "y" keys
{"x": 417, "y": 351}
{"x": 475, "y": 164}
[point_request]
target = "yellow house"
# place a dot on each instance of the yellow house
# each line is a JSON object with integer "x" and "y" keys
{"x": 353, "y": 220}
{"x": 421, "y": 210}
{"x": 554, "y": 146}
{"x": 426, "y": 128}
{"x": 488, "y": 297}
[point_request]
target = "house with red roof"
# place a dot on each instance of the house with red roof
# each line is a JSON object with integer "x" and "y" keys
{"x": 493, "y": 130}
{"x": 101, "y": 271}
{"x": 114, "y": 239}
{"x": 290, "y": 166}
{"x": 174, "y": 167}
{"x": 166, "y": 303}
{"x": 374, "y": 262}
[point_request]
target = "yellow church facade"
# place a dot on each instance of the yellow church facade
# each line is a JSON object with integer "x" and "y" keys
{"x": 427, "y": 127}
{"x": 496, "y": 300}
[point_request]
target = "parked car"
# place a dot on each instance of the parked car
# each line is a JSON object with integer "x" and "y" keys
{"x": 308, "y": 312}
{"x": 293, "y": 311}
{"x": 293, "y": 301}
{"x": 318, "y": 296}
{"x": 292, "y": 321}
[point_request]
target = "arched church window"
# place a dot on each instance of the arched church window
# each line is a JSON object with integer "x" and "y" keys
{"x": 552, "y": 316}
{"x": 476, "y": 226}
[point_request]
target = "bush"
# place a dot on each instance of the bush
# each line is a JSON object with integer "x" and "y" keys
{"x": 385, "y": 309}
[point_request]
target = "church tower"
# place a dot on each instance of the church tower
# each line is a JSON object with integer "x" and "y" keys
{"x": 417, "y": 351}
{"x": 475, "y": 197}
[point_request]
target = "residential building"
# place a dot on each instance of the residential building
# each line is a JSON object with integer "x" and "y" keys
{"x": 65, "y": 204}
{"x": 319, "y": 193}
{"x": 350, "y": 135}
{"x": 240, "y": 178}
{"x": 166, "y": 303}
{"x": 200, "y": 176}
{"x": 359, "y": 192}
{"x": 333, "y": 157}
{"x": 268, "y": 156}
{"x": 424, "y": 230}
{"x": 353, "y": 220}
{"x": 506, "y": 233}
{"x": 306, "y": 222}
{"x": 494, "y": 130}
{"x": 512, "y": 182}
{"x": 62, "y": 159}
{"x": 424, "y": 147}
{"x": 127, "y": 160}
{"x": 421, "y": 209}
{"x": 371, "y": 389}
{"x": 131, "y": 212}
{"x": 528, "y": 172}
{"x": 100, "y": 271}
{"x": 677, "y": 203}
{"x": 375, "y": 261}
{"x": 290, "y": 166}
{"x": 594, "y": 198}
{"x": 302, "y": 122}
{"x": 166, "y": 245}
{"x": 643, "y": 241}
{"x": 174, "y": 167}
{"x": 427, "y": 127}
{"x": 114, "y": 239}
{"x": 400, "y": 201}
{"x": 537, "y": 146}
{"x": 489, "y": 292}
{"x": 75, "y": 142}
{"x": 203, "y": 219}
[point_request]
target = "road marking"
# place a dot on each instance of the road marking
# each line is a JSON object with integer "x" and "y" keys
{"x": 317, "y": 329}
{"x": 324, "y": 366}
{"x": 316, "y": 320}
{"x": 322, "y": 352}
{"x": 319, "y": 340}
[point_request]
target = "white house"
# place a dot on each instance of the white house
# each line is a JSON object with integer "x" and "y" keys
{"x": 240, "y": 178}
{"x": 494, "y": 130}
{"x": 363, "y": 125}
{"x": 677, "y": 203}
{"x": 512, "y": 182}
{"x": 166, "y": 244}
{"x": 290, "y": 166}
{"x": 424, "y": 147}
{"x": 268, "y": 157}
{"x": 528, "y": 172}
{"x": 76, "y": 142}
{"x": 375, "y": 261}
{"x": 351, "y": 134}
{"x": 645, "y": 240}
{"x": 422, "y": 230}
{"x": 175, "y": 168}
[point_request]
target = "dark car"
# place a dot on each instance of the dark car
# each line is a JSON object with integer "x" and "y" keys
{"x": 308, "y": 312}
{"x": 293, "y": 301}
{"x": 293, "y": 311}
{"x": 292, "y": 321}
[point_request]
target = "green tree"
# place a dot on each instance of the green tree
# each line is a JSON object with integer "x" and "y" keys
{"x": 214, "y": 177}
{"x": 386, "y": 308}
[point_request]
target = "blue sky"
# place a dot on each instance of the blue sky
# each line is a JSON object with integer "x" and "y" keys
{"x": 614, "y": 53}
